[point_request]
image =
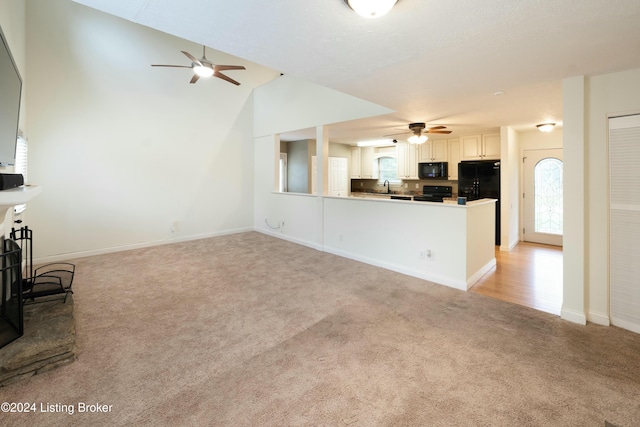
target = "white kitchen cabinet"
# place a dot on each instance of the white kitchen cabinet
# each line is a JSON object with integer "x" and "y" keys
{"x": 434, "y": 151}
{"x": 368, "y": 170}
{"x": 407, "y": 160}
{"x": 356, "y": 163}
{"x": 453, "y": 146}
{"x": 491, "y": 144}
{"x": 480, "y": 147}
{"x": 363, "y": 163}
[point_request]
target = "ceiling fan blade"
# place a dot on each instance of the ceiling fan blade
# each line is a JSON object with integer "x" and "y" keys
{"x": 395, "y": 134}
{"x": 173, "y": 66}
{"x": 194, "y": 78}
{"x": 228, "y": 67}
{"x": 437, "y": 127}
{"x": 223, "y": 77}
{"x": 438, "y": 131}
{"x": 192, "y": 58}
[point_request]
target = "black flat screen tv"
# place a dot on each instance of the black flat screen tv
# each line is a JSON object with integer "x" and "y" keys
{"x": 10, "y": 92}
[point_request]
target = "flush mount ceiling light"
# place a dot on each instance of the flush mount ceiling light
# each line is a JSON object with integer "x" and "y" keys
{"x": 545, "y": 127}
{"x": 371, "y": 8}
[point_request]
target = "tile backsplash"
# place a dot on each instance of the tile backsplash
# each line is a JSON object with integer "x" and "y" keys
{"x": 406, "y": 187}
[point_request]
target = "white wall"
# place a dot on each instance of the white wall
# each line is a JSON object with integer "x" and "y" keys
{"x": 288, "y": 104}
{"x": 536, "y": 140}
{"x": 609, "y": 94}
{"x": 371, "y": 231}
{"x": 588, "y": 103}
{"x": 509, "y": 188}
{"x": 124, "y": 150}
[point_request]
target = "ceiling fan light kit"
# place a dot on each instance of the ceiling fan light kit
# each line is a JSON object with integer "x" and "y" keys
{"x": 203, "y": 71}
{"x": 204, "y": 68}
{"x": 545, "y": 127}
{"x": 418, "y": 139}
{"x": 371, "y": 8}
{"x": 418, "y": 130}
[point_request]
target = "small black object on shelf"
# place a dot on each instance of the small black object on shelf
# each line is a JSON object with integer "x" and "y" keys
{"x": 46, "y": 280}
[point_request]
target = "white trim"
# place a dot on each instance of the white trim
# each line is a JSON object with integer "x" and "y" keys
{"x": 279, "y": 235}
{"x": 630, "y": 326}
{"x": 573, "y": 316}
{"x": 598, "y": 319}
{"x": 478, "y": 274}
{"x": 83, "y": 254}
{"x": 435, "y": 278}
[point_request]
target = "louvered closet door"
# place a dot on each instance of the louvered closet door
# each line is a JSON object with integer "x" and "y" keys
{"x": 624, "y": 167}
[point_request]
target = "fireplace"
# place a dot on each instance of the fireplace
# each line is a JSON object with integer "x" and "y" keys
{"x": 11, "y": 306}
{"x": 37, "y": 308}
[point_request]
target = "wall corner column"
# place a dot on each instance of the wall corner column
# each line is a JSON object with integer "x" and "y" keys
{"x": 575, "y": 199}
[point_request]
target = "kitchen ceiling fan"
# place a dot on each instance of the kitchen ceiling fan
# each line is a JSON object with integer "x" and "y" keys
{"x": 418, "y": 131}
{"x": 204, "y": 68}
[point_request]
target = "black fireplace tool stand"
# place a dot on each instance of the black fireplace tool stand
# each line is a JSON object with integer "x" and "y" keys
{"x": 47, "y": 281}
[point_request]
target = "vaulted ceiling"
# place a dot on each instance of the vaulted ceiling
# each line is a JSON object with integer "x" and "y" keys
{"x": 471, "y": 65}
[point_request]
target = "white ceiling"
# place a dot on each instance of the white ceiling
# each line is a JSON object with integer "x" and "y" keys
{"x": 434, "y": 61}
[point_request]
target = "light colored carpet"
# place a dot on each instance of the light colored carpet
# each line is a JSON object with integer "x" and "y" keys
{"x": 249, "y": 330}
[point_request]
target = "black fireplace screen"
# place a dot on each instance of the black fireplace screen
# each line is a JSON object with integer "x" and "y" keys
{"x": 11, "y": 322}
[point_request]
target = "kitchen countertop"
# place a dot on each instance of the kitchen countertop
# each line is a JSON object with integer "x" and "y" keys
{"x": 387, "y": 197}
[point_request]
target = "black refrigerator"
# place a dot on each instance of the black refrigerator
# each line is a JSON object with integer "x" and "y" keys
{"x": 478, "y": 180}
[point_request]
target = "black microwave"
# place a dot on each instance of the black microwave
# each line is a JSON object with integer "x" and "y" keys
{"x": 438, "y": 170}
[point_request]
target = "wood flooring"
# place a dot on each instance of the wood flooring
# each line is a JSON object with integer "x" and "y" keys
{"x": 529, "y": 275}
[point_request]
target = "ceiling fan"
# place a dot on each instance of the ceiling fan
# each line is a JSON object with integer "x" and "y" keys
{"x": 204, "y": 68}
{"x": 418, "y": 131}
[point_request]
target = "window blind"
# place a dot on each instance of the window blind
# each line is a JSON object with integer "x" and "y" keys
{"x": 21, "y": 166}
{"x": 624, "y": 236}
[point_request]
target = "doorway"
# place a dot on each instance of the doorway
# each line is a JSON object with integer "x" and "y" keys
{"x": 338, "y": 176}
{"x": 543, "y": 197}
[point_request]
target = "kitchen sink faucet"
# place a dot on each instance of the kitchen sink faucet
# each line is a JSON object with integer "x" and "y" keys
{"x": 386, "y": 183}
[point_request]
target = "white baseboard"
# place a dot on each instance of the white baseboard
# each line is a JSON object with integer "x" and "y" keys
{"x": 478, "y": 274}
{"x": 573, "y": 316}
{"x": 435, "y": 278}
{"x": 598, "y": 319}
{"x": 624, "y": 324}
{"x": 288, "y": 238}
{"x": 102, "y": 251}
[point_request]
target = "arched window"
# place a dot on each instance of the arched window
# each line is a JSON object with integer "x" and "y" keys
{"x": 548, "y": 196}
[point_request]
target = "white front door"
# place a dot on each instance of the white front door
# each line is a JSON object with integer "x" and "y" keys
{"x": 543, "y": 201}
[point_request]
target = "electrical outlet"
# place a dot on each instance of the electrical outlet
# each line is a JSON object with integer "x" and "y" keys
{"x": 425, "y": 255}
{"x": 406, "y": 185}
{"x": 417, "y": 185}
{"x": 174, "y": 227}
